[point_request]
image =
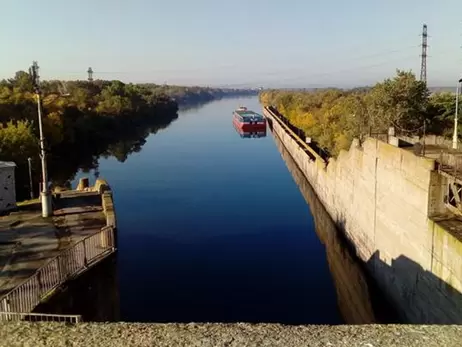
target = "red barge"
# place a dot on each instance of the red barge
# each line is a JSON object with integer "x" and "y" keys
{"x": 247, "y": 120}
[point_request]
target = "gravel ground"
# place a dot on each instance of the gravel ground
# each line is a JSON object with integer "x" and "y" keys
{"x": 226, "y": 335}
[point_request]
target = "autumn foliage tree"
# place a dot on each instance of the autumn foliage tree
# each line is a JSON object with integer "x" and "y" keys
{"x": 334, "y": 117}
{"x": 82, "y": 120}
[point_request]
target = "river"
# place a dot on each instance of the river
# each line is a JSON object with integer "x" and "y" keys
{"x": 213, "y": 227}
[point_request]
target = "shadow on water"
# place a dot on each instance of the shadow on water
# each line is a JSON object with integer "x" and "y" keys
{"x": 358, "y": 297}
{"x": 222, "y": 286}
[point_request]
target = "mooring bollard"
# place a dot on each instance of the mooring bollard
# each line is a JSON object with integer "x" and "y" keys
{"x": 83, "y": 183}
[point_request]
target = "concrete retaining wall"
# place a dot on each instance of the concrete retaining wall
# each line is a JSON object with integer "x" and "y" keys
{"x": 7, "y": 187}
{"x": 381, "y": 196}
{"x": 102, "y": 187}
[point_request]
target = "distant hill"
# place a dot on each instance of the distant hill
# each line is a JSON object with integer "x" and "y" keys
{"x": 442, "y": 89}
{"x": 365, "y": 88}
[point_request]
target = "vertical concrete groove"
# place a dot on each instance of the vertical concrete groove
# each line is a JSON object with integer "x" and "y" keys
{"x": 432, "y": 255}
{"x": 375, "y": 200}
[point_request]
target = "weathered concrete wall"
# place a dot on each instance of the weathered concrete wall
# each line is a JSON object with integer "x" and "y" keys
{"x": 226, "y": 335}
{"x": 358, "y": 299}
{"x": 381, "y": 196}
{"x": 7, "y": 187}
{"x": 107, "y": 202}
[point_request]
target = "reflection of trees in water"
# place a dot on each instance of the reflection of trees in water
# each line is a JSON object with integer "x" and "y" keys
{"x": 65, "y": 162}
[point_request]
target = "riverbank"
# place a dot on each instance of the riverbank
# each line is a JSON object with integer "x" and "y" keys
{"x": 88, "y": 119}
{"x": 229, "y": 335}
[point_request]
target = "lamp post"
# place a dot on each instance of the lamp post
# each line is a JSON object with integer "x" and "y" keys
{"x": 454, "y": 137}
{"x": 45, "y": 195}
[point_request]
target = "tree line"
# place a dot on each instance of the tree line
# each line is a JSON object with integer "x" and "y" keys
{"x": 334, "y": 117}
{"x": 83, "y": 120}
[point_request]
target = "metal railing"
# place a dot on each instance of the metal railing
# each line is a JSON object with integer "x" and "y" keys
{"x": 40, "y": 317}
{"x": 71, "y": 262}
{"x": 299, "y": 136}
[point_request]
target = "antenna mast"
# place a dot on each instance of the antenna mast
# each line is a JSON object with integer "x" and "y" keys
{"x": 90, "y": 74}
{"x": 423, "y": 66}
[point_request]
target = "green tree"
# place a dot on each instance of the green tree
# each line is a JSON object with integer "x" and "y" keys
{"x": 17, "y": 141}
{"x": 333, "y": 117}
{"x": 401, "y": 101}
{"x": 22, "y": 82}
{"x": 440, "y": 113}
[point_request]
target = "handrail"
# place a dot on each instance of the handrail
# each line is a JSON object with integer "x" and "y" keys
{"x": 297, "y": 138}
{"x": 40, "y": 317}
{"x": 69, "y": 263}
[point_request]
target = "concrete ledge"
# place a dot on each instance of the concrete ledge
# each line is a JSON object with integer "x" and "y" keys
{"x": 108, "y": 208}
{"x": 101, "y": 186}
{"x": 230, "y": 335}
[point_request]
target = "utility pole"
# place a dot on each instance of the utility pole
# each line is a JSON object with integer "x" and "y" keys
{"x": 455, "y": 140}
{"x": 90, "y": 74}
{"x": 423, "y": 66}
{"x": 29, "y": 161}
{"x": 45, "y": 194}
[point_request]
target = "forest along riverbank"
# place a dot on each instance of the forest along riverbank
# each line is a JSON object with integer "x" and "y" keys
{"x": 89, "y": 120}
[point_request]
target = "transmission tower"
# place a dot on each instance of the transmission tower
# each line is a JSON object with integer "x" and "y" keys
{"x": 423, "y": 67}
{"x": 90, "y": 74}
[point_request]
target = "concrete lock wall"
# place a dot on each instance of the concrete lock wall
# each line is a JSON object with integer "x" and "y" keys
{"x": 381, "y": 197}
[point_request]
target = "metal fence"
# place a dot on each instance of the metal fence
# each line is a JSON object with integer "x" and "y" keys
{"x": 39, "y": 317}
{"x": 450, "y": 162}
{"x": 68, "y": 264}
{"x": 300, "y": 135}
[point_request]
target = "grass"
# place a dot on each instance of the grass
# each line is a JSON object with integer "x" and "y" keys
{"x": 28, "y": 202}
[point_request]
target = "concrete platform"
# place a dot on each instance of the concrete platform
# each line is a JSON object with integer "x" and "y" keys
{"x": 229, "y": 335}
{"x": 28, "y": 241}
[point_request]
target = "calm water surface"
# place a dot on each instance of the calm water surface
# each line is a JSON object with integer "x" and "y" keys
{"x": 213, "y": 227}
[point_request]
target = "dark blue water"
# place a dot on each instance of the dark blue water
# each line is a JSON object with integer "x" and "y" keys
{"x": 212, "y": 227}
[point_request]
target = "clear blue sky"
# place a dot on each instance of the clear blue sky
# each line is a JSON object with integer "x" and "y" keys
{"x": 236, "y": 42}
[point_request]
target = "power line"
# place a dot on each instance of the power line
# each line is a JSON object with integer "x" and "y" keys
{"x": 325, "y": 74}
{"x": 229, "y": 66}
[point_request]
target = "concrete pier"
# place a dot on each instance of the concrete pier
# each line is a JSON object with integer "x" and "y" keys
{"x": 37, "y": 254}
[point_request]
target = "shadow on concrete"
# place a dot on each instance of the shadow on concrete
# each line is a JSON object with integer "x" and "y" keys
{"x": 418, "y": 294}
{"x": 91, "y": 199}
{"x": 407, "y": 293}
{"x": 33, "y": 206}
